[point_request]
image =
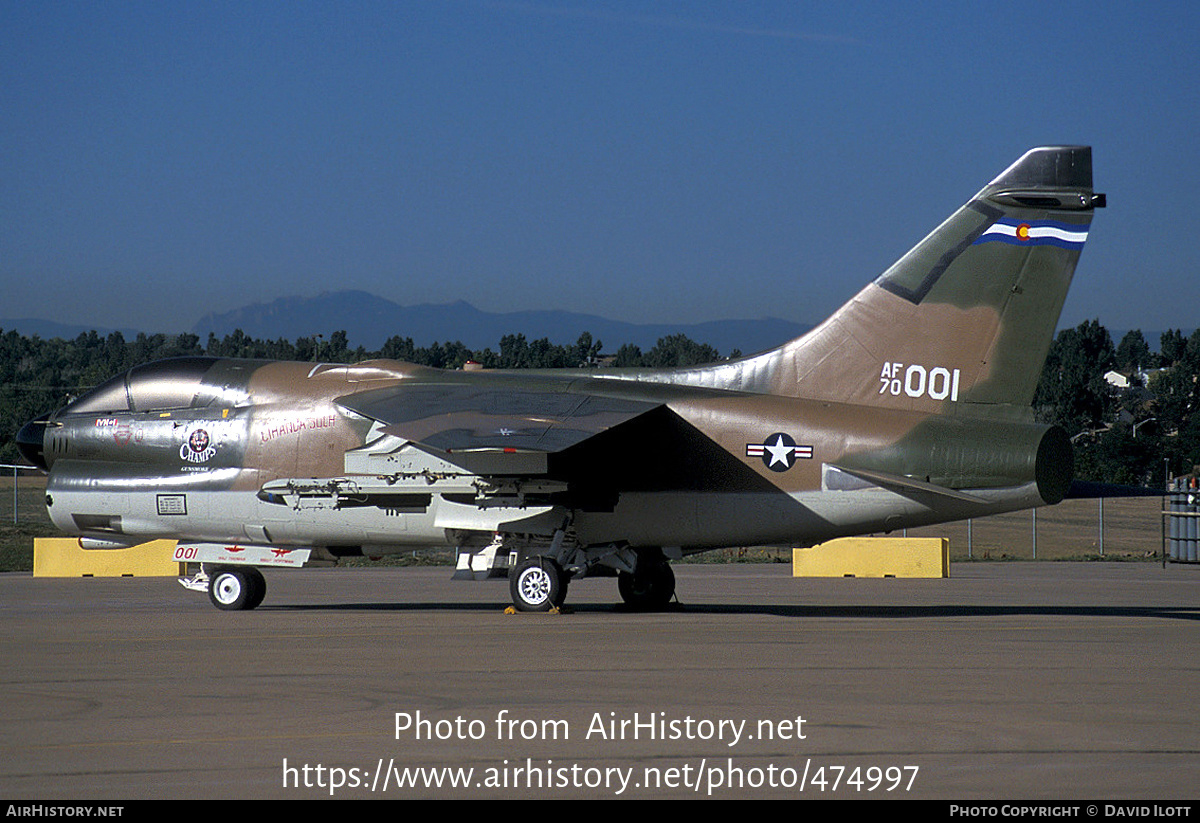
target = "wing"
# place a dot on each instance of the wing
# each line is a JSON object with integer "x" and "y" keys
{"x": 573, "y": 431}
{"x": 466, "y": 419}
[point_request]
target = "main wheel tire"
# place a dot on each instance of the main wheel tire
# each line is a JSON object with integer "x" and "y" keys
{"x": 236, "y": 589}
{"x": 537, "y": 584}
{"x": 259, "y": 590}
{"x": 651, "y": 587}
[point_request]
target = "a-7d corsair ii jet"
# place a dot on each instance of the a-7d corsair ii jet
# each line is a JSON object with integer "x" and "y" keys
{"x": 909, "y": 406}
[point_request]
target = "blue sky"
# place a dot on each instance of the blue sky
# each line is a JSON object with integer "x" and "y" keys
{"x": 651, "y": 161}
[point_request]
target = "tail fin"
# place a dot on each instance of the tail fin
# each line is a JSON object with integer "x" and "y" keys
{"x": 966, "y": 316}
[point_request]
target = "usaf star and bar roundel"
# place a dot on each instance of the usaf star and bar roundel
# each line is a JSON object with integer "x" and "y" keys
{"x": 779, "y": 452}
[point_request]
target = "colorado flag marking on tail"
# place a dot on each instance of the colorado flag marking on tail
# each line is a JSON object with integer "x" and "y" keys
{"x": 1036, "y": 233}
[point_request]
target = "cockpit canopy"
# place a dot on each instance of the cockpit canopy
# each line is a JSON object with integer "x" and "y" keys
{"x": 162, "y": 385}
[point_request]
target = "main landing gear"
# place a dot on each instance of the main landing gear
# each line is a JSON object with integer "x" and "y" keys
{"x": 651, "y": 585}
{"x": 539, "y": 584}
{"x": 236, "y": 588}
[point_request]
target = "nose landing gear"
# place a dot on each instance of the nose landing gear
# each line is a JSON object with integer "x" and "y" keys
{"x": 237, "y": 589}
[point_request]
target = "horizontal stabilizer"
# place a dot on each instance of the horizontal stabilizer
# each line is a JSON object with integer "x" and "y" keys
{"x": 907, "y": 485}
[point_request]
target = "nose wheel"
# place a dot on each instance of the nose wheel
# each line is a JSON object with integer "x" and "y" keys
{"x": 236, "y": 589}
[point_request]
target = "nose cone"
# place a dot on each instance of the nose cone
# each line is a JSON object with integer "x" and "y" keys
{"x": 31, "y": 439}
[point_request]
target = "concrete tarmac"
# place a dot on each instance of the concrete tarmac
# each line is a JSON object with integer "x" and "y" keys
{"x": 1007, "y": 681}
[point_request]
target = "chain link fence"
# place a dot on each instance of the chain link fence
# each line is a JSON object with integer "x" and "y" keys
{"x": 22, "y": 495}
{"x": 1119, "y": 528}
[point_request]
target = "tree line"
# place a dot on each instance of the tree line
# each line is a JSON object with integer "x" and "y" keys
{"x": 1134, "y": 435}
{"x": 1121, "y": 435}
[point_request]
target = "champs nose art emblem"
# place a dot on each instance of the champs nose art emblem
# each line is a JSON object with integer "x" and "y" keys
{"x": 198, "y": 447}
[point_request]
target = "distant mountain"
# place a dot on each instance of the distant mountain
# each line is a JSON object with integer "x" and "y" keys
{"x": 369, "y": 320}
